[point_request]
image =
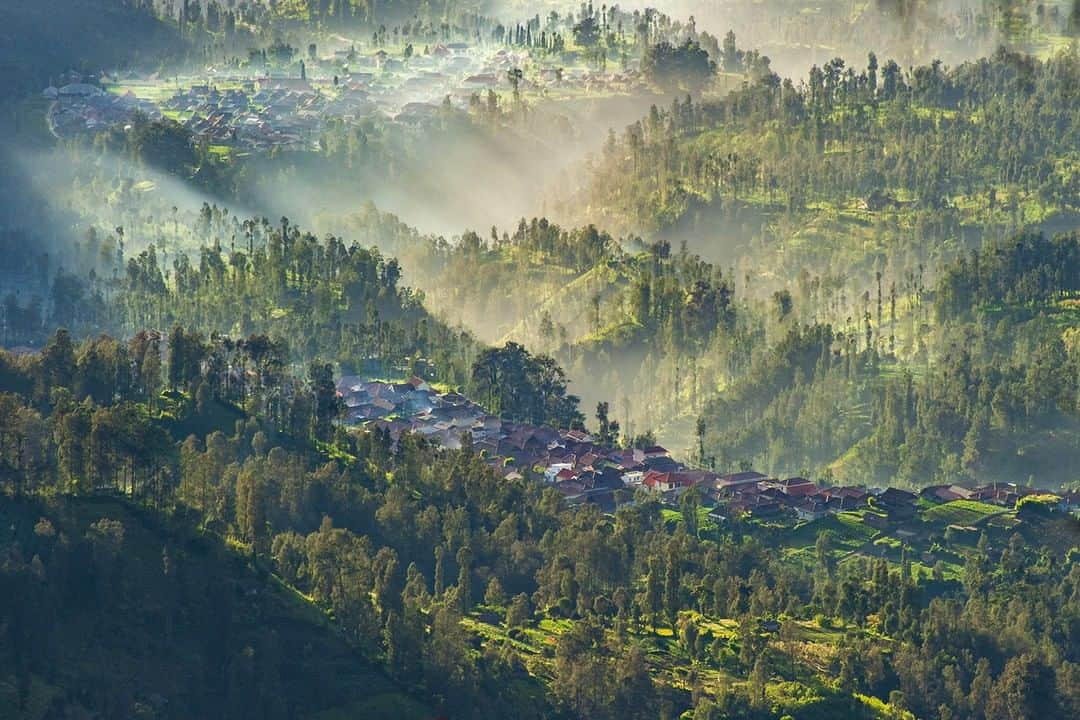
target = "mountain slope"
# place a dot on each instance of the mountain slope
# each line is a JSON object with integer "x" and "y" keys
{"x": 111, "y": 610}
{"x": 42, "y": 38}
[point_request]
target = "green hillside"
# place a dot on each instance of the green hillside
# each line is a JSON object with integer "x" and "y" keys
{"x": 111, "y": 607}
{"x": 853, "y": 169}
{"x": 676, "y": 444}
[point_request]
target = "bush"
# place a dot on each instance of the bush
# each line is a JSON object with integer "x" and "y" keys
{"x": 1036, "y": 505}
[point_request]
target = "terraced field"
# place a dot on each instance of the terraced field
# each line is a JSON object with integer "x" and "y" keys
{"x": 961, "y": 512}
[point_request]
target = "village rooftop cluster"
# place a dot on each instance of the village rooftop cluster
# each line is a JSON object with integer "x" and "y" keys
{"x": 583, "y": 471}
{"x": 256, "y": 109}
{"x": 82, "y": 107}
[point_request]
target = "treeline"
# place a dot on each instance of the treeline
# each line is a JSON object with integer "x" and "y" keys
{"x": 404, "y": 542}
{"x": 332, "y": 300}
{"x": 999, "y": 379}
{"x": 1030, "y": 269}
{"x": 877, "y": 134}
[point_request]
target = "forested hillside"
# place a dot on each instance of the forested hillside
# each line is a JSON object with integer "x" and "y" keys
{"x": 110, "y": 607}
{"x": 834, "y": 201}
{"x": 315, "y": 298}
{"x": 420, "y": 555}
{"x": 995, "y": 397}
{"x": 852, "y": 170}
{"x": 539, "y": 360}
{"x": 652, "y": 330}
{"x": 959, "y": 380}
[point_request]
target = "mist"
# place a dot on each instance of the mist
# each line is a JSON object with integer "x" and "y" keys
{"x": 463, "y": 177}
{"x": 796, "y": 35}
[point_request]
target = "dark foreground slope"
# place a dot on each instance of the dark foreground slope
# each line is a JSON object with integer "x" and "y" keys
{"x": 41, "y": 38}
{"x": 106, "y": 612}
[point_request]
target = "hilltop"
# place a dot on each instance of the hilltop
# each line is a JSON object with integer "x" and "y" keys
{"x": 850, "y": 171}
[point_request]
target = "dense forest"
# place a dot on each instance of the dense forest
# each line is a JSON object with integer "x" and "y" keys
{"x": 316, "y": 298}
{"x": 908, "y": 160}
{"x": 412, "y": 550}
{"x": 663, "y": 260}
{"x": 999, "y": 383}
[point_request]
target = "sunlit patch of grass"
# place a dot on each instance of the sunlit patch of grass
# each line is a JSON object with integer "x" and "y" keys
{"x": 960, "y": 512}
{"x": 220, "y": 151}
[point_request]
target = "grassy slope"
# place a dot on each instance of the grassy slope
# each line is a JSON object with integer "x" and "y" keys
{"x": 798, "y": 684}
{"x": 960, "y": 512}
{"x": 800, "y": 669}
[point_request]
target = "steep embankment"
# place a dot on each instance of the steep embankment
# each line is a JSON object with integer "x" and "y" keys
{"x": 108, "y": 609}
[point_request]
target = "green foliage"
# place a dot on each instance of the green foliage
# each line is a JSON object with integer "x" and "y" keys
{"x": 1029, "y": 269}
{"x": 604, "y": 577}
{"x": 686, "y": 65}
{"x": 164, "y": 145}
{"x": 1040, "y": 504}
{"x": 522, "y": 387}
{"x": 960, "y": 512}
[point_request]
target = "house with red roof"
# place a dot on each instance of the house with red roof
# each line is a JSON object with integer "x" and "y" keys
{"x": 796, "y": 487}
{"x": 665, "y": 482}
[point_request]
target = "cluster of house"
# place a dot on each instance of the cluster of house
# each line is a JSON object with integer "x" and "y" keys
{"x": 571, "y": 461}
{"x": 761, "y": 497}
{"x": 258, "y": 111}
{"x": 583, "y": 471}
{"x": 257, "y": 115}
{"x": 757, "y": 496}
{"x": 81, "y": 108}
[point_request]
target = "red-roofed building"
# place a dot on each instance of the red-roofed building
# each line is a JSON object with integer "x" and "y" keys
{"x": 845, "y": 498}
{"x": 1002, "y": 493}
{"x": 797, "y": 487}
{"x": 564, "y": 475}
{"x": 740, "y": 478}
{"x": 659, "y": 481}
{"x": 578, "y": 436}
{"x": 668, "y": 481}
